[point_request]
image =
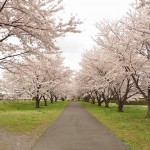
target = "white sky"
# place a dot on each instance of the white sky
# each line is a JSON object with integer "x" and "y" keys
{"x": 90, "y": 12}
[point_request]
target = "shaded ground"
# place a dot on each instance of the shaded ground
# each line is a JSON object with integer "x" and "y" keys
{"x": 10, "y": 141}
{"x": 16, "y": 141}
{"x": 76, "y": 129}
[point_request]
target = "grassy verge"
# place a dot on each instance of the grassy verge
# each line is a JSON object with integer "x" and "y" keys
{"x": 23, "y": 117}
{"x": 131, "y": 126}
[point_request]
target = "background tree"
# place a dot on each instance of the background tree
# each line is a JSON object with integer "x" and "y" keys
{"x": 39, "y": 78}
{"x": 137, "y": 22}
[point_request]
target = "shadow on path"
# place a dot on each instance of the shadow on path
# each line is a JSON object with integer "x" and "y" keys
{"x": 76, "y": 129}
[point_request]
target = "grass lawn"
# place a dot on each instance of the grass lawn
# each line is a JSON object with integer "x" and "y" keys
{"x": 131, "y": 126}
{"x": 23, "y": 117}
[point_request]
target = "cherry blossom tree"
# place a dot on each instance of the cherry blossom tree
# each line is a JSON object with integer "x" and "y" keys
{"x": 39, "y": 78}
{"x": 137, "y": 22}
{"x": 28, "y": 48}
{"x": 115, "y": 38}
{"x": 92, "y": 76}
{"x": 114, "y": 63}
{"x": 28, "y": 26}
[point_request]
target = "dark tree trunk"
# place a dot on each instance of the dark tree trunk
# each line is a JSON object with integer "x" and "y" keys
{"x": 51, "y": 99}
{"x": 106, "y": 101}
{"x": 93, "y": 100}
{"x": 37, "y": 102}
{"x": 146, "y": 97}
{"x": 62, "y": 99}
{"x": 37, "y": 97}
{"x": 86, "y": 99}
{"x": 45, "y": 101}
{"x": 106, "y": 104}
{"x": 55, "y": 98}
{"x": 148, "y": 102}
{"x": 120, "y": 106}
{"x": 99, "y": 102}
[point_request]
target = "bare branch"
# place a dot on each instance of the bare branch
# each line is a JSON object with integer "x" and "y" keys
{"x": 10, "y": 56}
{"x": 3, "y": 5}
{"x": 8, "y": 35}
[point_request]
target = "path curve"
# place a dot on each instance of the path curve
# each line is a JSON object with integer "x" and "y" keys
{"x": 76, "y": 129}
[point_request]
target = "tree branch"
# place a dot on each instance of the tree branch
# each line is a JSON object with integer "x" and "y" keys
{"x": 9, "y": 56}
{"x": 3, "y": 5}
{"x": 8, "y": 35}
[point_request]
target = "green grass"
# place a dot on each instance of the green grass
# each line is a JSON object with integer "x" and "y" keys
{"x": 23, "y": 117}
{"x": 131, "y": 126}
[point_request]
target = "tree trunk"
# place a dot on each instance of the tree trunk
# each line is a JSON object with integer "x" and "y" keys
{"x": 106, "y": 104}
{"x": 93, "y": 101}
{"x": 62, "y": 99}
{"x": 148, "y": 102}
{"x": 45, "y": 101}
{"x": 120, "y": 106}
{"x": 99, "y": 102}
{"x": 146, "y": 97}
{"x": 51, "y": 99}
{"x": 86, "y": 99}
{"x": 105, "y": 99}
{"x": 55, "y": 98}
{"x": 37, "y": 102}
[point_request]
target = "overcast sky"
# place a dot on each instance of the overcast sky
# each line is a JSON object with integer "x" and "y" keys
{"x": 90, "y": 12}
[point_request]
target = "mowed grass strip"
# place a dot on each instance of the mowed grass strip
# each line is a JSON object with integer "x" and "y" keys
{"x": 22, "y": 116}
{"x": 131, "y": 126}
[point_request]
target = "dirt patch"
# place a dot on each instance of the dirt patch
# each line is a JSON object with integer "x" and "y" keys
{"x": 12, "y": 141}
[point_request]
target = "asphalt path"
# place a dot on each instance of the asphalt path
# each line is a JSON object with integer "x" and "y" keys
{"x": 76, "y": 129}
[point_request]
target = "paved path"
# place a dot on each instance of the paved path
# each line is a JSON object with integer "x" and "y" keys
{"x": 76, "y": 129}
